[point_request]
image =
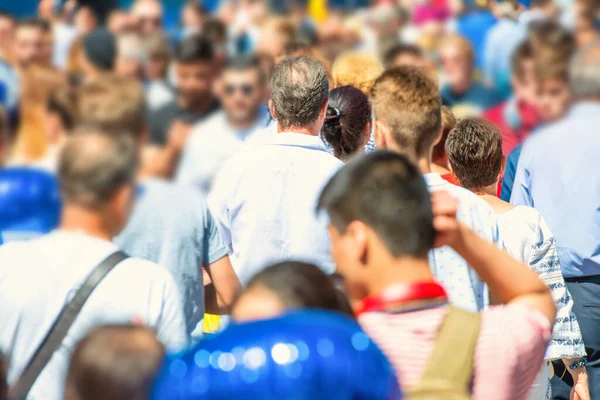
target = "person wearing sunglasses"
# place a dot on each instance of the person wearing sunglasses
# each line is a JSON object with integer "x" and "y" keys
{"x": 242, "y": 90}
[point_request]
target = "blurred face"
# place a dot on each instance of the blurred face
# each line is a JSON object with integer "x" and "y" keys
{"x": 148, "y": 16}
{"x": 257, "y": 303}
{"x": 7, "y": 30}
{"x": 30, "y": 46}
{"x": 85, "y": 21}
{"x": 190, "y": 18}
{"x": 525, "y": 87}
{"x": 156, "y": 67}
{"x": 456, "y": 66}
{"x": 241, "y": 95}
{"x": 128, "y": 67}
{"x": 554, "y": 99}
{"x": 194, "y": 80}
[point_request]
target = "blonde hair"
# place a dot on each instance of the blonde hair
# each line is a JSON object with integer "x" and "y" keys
{"x": 356, "y": 69}
{"x": 461, "y": 44}
{"x": 31, "y": 141}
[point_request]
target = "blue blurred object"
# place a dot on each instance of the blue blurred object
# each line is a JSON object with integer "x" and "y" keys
{"x": 29, "y": 203}
{"x": 474, "y": 26}
{"x": 300, "y": 356}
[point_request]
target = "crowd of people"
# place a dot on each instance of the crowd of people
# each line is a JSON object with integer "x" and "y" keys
{"x": 301, "y": 200}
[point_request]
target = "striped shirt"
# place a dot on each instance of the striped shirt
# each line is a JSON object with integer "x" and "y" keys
{"x": 506, "y": 360}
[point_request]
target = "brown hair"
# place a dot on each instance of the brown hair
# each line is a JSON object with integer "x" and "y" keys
{"x": 474, "y": 150}
{"x": 113, "y": 103}
{"x": 558, "y": 71}
{"x": 38, "y": 83}
{"x": 409, "y": 103}
{"x": 114, "y": 362}
{"x": 356, "y": 69}
{"x": 523, "y": 53}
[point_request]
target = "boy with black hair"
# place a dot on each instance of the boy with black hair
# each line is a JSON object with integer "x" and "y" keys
{"x": 382, "y": 228}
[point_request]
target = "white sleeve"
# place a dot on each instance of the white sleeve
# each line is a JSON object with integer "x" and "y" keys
{"x": 171, "y": 328}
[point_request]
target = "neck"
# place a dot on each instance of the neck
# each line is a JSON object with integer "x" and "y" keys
{"x": 244, "y": 124}
{"x": 80, "y": 219}
{"x": 460, "y": 88}
{"x": 491, "y": 190}
{"x": 311, "y": 130}
{"x": 423, "y": 162}
{"x": 401, "y": 270}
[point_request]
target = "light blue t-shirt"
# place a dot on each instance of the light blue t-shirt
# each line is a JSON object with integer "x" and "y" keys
{"x": 172, "y": 226}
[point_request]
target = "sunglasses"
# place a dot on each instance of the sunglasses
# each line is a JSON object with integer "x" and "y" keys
{"x": 246, "y": 90}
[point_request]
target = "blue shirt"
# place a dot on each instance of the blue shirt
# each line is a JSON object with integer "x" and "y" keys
{"x": 512, "y": 161}
{"x": 500, "y": 44}
{"x": 558, "y": 175}
{"x": 264, "y": 202}
{"x": 474, "y": 26}
{"x": 477, "y": 97}
{"x": 464, "y": 287}
{"x": 171, "y": 226}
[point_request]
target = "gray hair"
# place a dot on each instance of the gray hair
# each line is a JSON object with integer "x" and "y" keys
{"x": 299, "y": 88}
{"x": 585, "y": 72}
{"x": 94, "y": 165}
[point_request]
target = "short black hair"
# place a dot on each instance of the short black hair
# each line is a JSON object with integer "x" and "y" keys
{"x": 245, "y": 62}
{"x": 398, "y": 49}
{"x": 194, "y": 49}
{"x": 214, "y": 30}
{"x": 385, "y": 191}
{"x": 474, "y": 150}
{"x": 38, "y": 23}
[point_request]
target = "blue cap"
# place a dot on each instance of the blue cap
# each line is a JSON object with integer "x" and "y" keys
{"x": 302, "y": 355}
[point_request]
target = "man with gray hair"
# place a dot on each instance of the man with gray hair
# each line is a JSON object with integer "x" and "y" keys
{"x": 564, "y": 187}
{"x": 97, "y": 171}
{"x": 264, "y": 196}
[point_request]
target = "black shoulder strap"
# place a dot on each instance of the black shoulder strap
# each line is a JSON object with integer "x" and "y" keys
{"x": 59, "y": 329}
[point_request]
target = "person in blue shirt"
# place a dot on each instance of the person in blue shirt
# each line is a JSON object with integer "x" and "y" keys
{"x": 558, "y": 175}
{"x": 474, "y": 24}
{"x": 461, "y": 89}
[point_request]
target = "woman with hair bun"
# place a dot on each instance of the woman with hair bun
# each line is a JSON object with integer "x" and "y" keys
{"x": 347, "y": 125}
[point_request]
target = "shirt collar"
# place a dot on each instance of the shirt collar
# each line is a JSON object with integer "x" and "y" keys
{"x": 296, "y": 140}
{"x": 434, "y": 180}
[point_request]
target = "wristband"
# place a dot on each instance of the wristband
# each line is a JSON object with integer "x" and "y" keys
{"x": 579, "y": 364}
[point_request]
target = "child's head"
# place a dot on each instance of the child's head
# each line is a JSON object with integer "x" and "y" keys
{"x": 554, "y": 93}
{"x": 474, "y": 150}
{"x": 523, "y": 79}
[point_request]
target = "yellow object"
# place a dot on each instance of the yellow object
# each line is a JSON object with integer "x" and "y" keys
{"x": 318, "y": 9}
{"x": 211, "y": 324}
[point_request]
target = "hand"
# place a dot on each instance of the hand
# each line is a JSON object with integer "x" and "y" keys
{"x": 178, "y": 135}
{"x": 447, "y": 227}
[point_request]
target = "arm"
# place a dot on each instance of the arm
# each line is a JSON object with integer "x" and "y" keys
{"x": 494, "y": 267}
{"x": 225, "y": 287}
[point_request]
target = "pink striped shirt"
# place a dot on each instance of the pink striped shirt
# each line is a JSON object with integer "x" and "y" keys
{"x": 508, "y": 355}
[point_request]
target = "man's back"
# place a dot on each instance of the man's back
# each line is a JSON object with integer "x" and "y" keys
{"x": 463, "y": 285}
{"x": 37, "y": 278}
{"x": 564, "y": 188}
{"x": 264, "y": 201}
{"x": 171, "y": 225}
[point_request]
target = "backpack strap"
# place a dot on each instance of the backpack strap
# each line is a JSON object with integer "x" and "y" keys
{"x": 61, "y": 326}
{"x": 451, "y": 362}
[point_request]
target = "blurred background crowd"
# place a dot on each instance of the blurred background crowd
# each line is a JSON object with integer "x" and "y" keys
{"x": 190, "y": 85}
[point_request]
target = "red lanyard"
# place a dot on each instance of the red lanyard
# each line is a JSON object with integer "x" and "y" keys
{"x": 396, "y": 295}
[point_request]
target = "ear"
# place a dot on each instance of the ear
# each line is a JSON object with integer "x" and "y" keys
{"x": 502, "y": 167}
{"x": 454, "y": 177}
{"x": 272, "y": 109}
{"x": 439, "y": 136}
{"x": 367, "y": 132}
{"x": 357, "y": 232}
{"x": 381, "y": 132}
{"x": 323, "y": 112}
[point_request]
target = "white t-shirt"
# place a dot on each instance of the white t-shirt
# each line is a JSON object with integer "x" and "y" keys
{"x": 38, "y": 277}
